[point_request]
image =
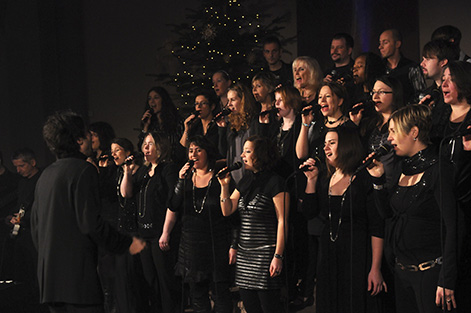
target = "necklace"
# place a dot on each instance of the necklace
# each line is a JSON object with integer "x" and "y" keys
{"x": 333, "y": 122}
{"x": 122, "y": 203}
{"x": 204, "y": 199}
{"x": 331, "y": 232}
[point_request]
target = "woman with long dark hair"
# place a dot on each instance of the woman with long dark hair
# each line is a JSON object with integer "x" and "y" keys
{"x": 351, "y": 241}
{"x": 263, "y": 205}
{"x": 421, "y": 211}
{"x": 203, "y": 259}
{"x": 161, "y": 116}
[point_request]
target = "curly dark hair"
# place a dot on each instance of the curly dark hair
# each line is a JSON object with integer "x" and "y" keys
{"x": 206, "y": 145}
{"x": 169, "y": 112}
{"x": 61, "y": 132}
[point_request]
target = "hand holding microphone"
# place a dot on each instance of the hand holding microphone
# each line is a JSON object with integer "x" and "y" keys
{"x": 377, "y": 170}
{"x": 186, "y": 169}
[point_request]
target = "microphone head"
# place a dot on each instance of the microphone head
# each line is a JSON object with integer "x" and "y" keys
{"x": 191, "y": 162}
{"x": 383, "y": 150}
{"x": 236, "y": 166}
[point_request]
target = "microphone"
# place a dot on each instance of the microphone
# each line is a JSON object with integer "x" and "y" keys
{"x": 134, "y": 156}
{"x": 191, "y": 162}
{"x": 231, "y": 168}
{"x": 379, "y": 152}
{"x": 364, "y": 105}
{"x": 305, "y": 168}
{"x": 315, "y": 108}
{"x": 274, "y": 110}
{"x": 221, "y": 114}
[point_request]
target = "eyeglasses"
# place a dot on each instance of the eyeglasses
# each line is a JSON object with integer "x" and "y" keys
{"x": 381, "y": 92}
{"x": 201, "y": 103}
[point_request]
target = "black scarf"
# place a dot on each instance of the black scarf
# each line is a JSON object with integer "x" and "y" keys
{"x": 419, "y": 162}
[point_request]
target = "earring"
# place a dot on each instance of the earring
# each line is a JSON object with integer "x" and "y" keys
{"x": 415, "y": 139}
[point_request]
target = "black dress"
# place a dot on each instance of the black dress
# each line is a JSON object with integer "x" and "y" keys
{"x": 206, "y": 233}
{"x": 341, "y": 278}
{"x": 259, "y": 228}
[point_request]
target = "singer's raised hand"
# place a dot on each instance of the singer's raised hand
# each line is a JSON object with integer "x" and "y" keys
{"x": 188, "y": 121}
{"x": 146, "y": 120}
{"x": 467, "y": 141}
{"x": 128, "y": 165}
{"x": 427, "y": 100}
{"x": 328, "y": 78}
{"x": 312, "y": 171}
{"x": 307, "y": 118}
{"x": 224, "y": 180}
{"x": 376, "y": 169}
{"x": 184, "y": 170}
{"x": 356, "y": 117}
{"x": 220, "y": 121}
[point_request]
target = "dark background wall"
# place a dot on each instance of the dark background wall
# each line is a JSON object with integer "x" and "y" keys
{"x": 94, "y": 56}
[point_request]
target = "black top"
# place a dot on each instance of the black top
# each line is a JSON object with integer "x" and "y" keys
{"x": 337, "y": 244}
{"x": 415, "y": 215}
{"x": 154, "y": 198}
{"x": 206, "y": 233}
{"x": 196, "y": 129}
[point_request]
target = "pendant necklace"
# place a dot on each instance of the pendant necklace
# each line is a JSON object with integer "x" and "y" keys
{"x": 205, "y": 196}
{"x": 332, "y": 238}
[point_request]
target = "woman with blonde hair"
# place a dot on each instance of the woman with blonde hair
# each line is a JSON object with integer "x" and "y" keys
{"x": 234, "y": 130}
{"x": 307, "y": 77}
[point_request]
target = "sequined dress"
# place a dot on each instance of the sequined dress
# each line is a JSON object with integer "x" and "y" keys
{"x": 258, "y": 231}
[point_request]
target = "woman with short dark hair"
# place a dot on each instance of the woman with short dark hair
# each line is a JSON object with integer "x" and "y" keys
{"x": 203, "y": 259}
{"x": 263, "y": 205}
{"x": 351, "y": 241}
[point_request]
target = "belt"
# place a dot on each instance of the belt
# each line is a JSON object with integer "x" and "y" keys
{"x": 421, "y": 267}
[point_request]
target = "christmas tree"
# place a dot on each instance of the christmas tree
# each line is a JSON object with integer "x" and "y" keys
{"x": 219, "y": 35}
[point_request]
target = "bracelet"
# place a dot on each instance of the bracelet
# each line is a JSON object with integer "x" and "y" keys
{"x": 278, "y": 256}
{"x": 378, "y": 187}
{"x": 306, "y": 124}
{"x": 223, "y": 199}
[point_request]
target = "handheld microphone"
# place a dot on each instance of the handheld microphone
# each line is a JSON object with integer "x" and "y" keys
{"x": 364, "y": 105}
{"x": 434, "y": 96}
{"x": 108, "y": 157}
{"x": 379, "y": 152}
{"x": 133, "y": 157}
{"x": 229, "y": 169}
{"x": 315, "y": 108}
{"x": 224, "y": 112}
{"x": 305, "y": 168}
{"x": 191, "y": 162}
{"x": 274, "y": 110}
